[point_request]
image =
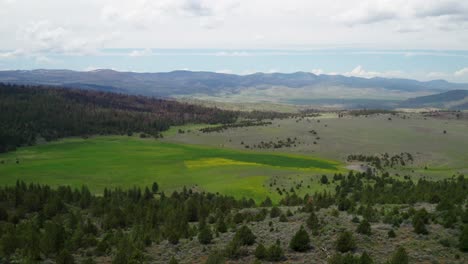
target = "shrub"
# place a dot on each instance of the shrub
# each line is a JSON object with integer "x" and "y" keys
{"x": 300, "y": 241}
{"x": 419, "y": 226}
{"x": 233, "y": 249}
{"x": 267, "y": 202}
{"x": 324, "y": 179}
{"x": 275, "y": 212}
{"x": 3, "y": 214}
{"x": 364, "y": 227}
{"x": 221, "y": 226}
{"x": 399, "y": 257}
{"x": 283, "y": 218}
{"x": 245, "y": 236}
{"x": 345, "y": 242}
{"x": 65, "y": 257}
{"x": 260, "y": 251}
{"x": 215, "y": 257}
{"x": 205, "y": 235}
{"x": 313, "y": 222}
{"x": 366, "y": 259}
{"x": 463, "y": 240}
{"x": 275, "y": 252}
{"x": 173, "y": 261}
{"x": 391, "y": 234}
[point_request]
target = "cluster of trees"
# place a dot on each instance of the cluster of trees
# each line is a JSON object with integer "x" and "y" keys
{"x": 247, "y": 123}
{"x": 40, "y": 223}
{"x": 366, "y": 112}
{"x": 289, "y": 142}
{"x": 384, "y": 160}
{"x": 32, "y": 112}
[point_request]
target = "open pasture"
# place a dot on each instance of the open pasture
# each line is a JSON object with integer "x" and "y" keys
{"x": 120, "y": 161}
{"x": 437, "y": 154}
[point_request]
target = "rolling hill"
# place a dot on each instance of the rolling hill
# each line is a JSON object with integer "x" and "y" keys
{"x": 453, "y": 100}
{"x": 210, "y": 83}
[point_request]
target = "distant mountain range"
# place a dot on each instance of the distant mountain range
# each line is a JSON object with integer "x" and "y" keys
{"x": 267, "y": 87}
{"x": 456, "y": 99}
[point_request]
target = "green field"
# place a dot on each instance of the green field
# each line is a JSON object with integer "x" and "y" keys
{"x": 442, "y": 154}
{"x": 124, "y": 161}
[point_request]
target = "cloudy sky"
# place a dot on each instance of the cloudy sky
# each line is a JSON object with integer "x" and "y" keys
{"x": 421, "y": 39}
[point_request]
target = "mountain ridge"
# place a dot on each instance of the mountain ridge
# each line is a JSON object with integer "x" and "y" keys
{"x": 182, "y": 82}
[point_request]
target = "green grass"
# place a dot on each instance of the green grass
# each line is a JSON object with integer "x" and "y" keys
{"x": 443, "y": 154}
{"x": 123, "y": 161}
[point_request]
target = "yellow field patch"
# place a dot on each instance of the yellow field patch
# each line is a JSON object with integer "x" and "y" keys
{"x": 214, "y": 162}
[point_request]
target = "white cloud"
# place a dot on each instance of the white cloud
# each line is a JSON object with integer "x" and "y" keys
{"x": 232, "y": 54}
{"x": 144, "y": 14}
{"x": 140, "y": 53}
{"x": 409, "y": 15}
{"x": 317, "y": 71}
{"x": 359, "y": 71}
{"x": 226, "y": 71}
{"x": 45, "y": 37}
{"x": 369, "y": 12}
{"x": 462, "y": 73}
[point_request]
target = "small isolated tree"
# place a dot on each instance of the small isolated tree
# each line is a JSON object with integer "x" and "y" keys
{"x": 215, "y": 257}
{"x": 366, "y": 259}
{"x": 283, "y": 218}
{"x": 324, "y": 179}
{"x": 205, "y": 235}
{"x": 221, "y": 226}
{"x": 364, "y": 227}
{"x": 391, "y": 233}
{"x": 260, "y": 251}
{"x": 173, "y": 261}
{"x": 419, "y": 226}
{"x": 155, "y": 187}
{"x": 300, "y": 241}
{"x": 233, "y": 249}
{"x": 275, "y": 252}
{"x": 463, "y": 240}
{"x": 245, "y": 236}
{"x": 267, "y": 202}
{"x": 275, "y": 212}
{"x": 313, "y": 221}
{"x": 399, "y": 257}
{"x": 65, "y": 257}
{"x": 345, "y": 242}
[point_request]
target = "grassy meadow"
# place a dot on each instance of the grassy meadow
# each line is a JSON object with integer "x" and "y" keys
{"x": 112, "y": 161}
{"x": 220, "y": 162}
{"x": 436, "y": 154}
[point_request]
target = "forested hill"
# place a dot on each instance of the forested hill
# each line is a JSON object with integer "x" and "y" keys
{"x": 28, "y": 113}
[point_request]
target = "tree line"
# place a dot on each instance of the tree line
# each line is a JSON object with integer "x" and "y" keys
{"x": 32, "y": 112}
{"x": 40, "y": 223}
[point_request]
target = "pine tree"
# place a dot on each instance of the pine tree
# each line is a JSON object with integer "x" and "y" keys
{"x": 300, "y": 241}
{"x": 205, "y": 235}
{"x": 399, "y": 257}
{"x": 463, "y": 240}
{"x": 364, "y": 227}
{"x": 245, "y": 236}
{"x": 260, "y": 251}
{"x": 275, "y": 252}
{"x": 345, "y": 242}
{"x": 221, "y": 226}
{"x": 313, "y": 222}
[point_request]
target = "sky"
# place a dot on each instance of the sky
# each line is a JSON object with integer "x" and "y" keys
{"x": 418, "y": 39}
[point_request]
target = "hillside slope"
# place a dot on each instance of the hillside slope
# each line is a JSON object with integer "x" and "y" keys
{"x": 30, "y": 113}
{"x": 209, "y": 83}
{"x": 454, "y": 100}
